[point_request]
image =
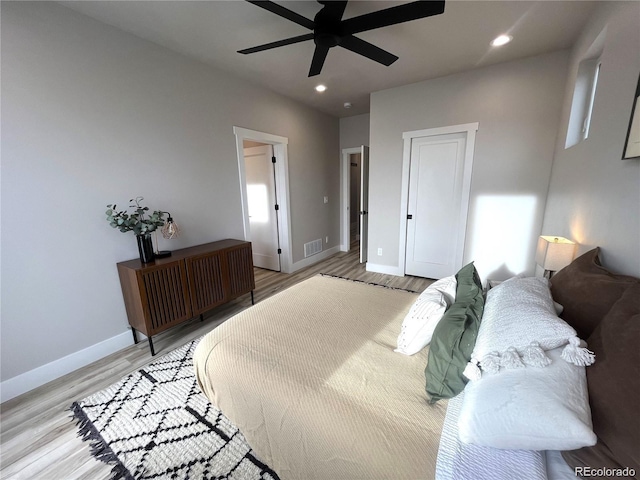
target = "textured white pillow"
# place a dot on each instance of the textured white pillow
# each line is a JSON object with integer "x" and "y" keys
{"x": 529, "y": 408}
{"x": 517, "y": 312}
{"x": 419, "y": 324}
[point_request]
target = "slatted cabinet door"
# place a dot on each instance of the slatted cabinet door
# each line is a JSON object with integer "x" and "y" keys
{"x": 165, "y": 290}
{"x": 206, "y": 281}
{"x": 240, "y": 264}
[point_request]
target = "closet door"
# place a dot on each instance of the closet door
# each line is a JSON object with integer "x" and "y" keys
{"x": 434, "y": 206}
{"x": 364, "y": 203}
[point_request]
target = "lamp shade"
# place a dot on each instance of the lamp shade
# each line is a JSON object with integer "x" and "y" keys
{"x": 554, "y": 253}
{"x": 170, "y": 229}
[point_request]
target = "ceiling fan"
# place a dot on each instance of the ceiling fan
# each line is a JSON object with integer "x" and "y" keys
{"x": 329, "y": 30}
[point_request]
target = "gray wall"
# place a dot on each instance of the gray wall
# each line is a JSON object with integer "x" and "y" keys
{"x": 354, "y": 131}
{"x": 518, "y": 107}
{"x": 594, "y": 197}
{"x": 91, "y": 116}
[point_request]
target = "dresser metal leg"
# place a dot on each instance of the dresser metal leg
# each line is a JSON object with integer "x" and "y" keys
{"x": 153, "y": 352}
{"x": 252, "y": 302}
{"x": 135, "y": 337}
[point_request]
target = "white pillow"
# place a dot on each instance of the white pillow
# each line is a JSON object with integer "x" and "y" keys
{"x": 447, "y": 286}
{"x": 518, "y": 312}
{"x": 419, "y": 324}
{"x": 529, "y": 408}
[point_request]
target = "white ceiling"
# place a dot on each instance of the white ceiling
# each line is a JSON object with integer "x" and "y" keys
{"x": 458, "y": 40}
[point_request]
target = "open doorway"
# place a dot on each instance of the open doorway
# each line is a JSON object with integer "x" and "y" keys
{"x": 354, "y": 200}
{"x": 355, "y": 171}
{"x": 264, "y": 190}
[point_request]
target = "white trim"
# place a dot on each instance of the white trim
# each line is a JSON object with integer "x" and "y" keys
{"x": 345, "y": 200}
{"x": 470, "y": 130}
{"x": 313, "y": 259}
{"x": 404, "y": 204}
{"x": 282, "y": 188}
{"x": 386, "y": 269}
{"x": 466, "y": 192}
{"x": 430, "y": 132}
{"x": 46, "y": 373}
{"x": 261, "y": 137}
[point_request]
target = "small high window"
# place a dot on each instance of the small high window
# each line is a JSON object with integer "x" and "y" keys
{"x": 586, "y": 124}
{"x": 584, "y": 93}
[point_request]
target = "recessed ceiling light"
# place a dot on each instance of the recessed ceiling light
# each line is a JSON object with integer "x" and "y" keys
{"x": 347, "y": 104}
{"x": 501, "y": 40}
{"x": 320, "y": 88}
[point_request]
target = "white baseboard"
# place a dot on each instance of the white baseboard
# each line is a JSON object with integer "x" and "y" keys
{"x": 314, "y": 258}
{"x": 386, "y": 269}
{"x": 46, "y": 373}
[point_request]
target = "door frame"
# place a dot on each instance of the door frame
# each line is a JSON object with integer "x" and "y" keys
{"x": 345, "y": 198}
{"x": 282, "y": 188}
{"x": 470, "y": 130}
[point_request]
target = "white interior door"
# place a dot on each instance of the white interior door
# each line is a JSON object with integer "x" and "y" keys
{"x": 261, "y": 203}
{"x": 364, "y": 203}
{"x": 435, "y": 205}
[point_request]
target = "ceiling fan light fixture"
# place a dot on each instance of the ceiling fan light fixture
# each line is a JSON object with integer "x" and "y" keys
{"x": 321, "y": 88}
{"x": 501, "y": 40}
{"x": 329, "y": 29}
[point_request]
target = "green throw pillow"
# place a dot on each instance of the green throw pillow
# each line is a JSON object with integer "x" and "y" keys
{"x": 454, "y": 338}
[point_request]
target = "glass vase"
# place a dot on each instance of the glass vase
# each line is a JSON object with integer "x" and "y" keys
{"x": 145, "y": 248}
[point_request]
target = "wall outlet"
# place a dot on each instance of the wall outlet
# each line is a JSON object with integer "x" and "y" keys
{"x": 379, "y": 252}
{"x": 326, "y": 239}
{"x": 326, "y": 199}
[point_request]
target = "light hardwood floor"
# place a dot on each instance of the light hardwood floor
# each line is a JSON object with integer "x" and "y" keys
{"x": 38, "y": 437}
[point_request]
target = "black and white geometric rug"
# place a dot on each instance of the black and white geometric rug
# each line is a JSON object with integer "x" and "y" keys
{"x": 156, "y": 424}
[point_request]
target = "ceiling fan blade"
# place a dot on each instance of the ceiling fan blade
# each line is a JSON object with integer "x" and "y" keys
{"x": 319, "y": 56}
{"x": 284, "y": 12}
{"x": 392, "y": 16}
{"x": 279, "y": 43}
{"x": 368, "y": 50}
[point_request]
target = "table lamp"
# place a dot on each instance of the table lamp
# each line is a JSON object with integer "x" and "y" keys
{"x": 554, "y": 253}
{"x": 169, "y": 231}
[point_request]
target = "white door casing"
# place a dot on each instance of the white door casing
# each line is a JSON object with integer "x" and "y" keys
{"x": 282, "y": 188}
{"x": 437, "y": 167}
{"x": 261, "y": 202}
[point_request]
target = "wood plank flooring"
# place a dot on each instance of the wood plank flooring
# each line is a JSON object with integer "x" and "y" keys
{"x": 38, "y": 438}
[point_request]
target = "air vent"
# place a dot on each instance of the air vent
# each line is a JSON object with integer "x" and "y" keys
{"x": 312, "y": 248}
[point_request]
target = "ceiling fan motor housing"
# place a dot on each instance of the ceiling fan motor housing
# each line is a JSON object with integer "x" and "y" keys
{"x": 327, "y": 27}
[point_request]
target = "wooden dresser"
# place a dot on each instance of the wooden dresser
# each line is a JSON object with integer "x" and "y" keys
{"x": 172, "y": 290}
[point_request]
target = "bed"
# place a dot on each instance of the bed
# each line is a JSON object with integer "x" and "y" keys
{"x": 311, "y": 378}
{"x": 295, "y": 373}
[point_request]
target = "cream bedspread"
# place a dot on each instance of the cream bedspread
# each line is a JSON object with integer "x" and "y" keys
{"x": 310, "y": 377}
